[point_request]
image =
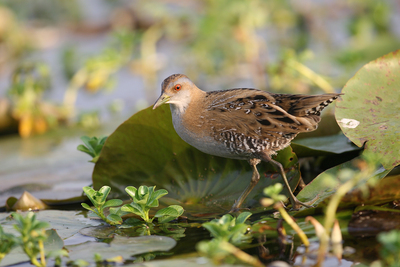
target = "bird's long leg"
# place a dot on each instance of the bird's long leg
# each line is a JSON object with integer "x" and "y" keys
{"x": 254, "y": 180}
{"x": 293, "y": 200}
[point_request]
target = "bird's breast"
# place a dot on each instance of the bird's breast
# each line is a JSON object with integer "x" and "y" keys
{"x": 195, "y": 132}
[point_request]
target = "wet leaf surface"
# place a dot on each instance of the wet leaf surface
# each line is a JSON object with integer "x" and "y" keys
{"x": 369, "y": 112}
{"x": 122, "y": 246}
{"x": 145, "y": 150}
{"x": 47, "y": 166}
{"x": 175, "y": 231}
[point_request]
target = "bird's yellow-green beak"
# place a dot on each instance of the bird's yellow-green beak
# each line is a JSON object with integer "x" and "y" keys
{"x": 164, "y": 98}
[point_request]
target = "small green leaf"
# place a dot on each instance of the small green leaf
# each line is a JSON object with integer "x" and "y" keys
{"x": 93, "y": 143}
{"x": 85, "y": 139}
{"x": 98, "y": 149}
{"x": 90, "y": 193}
{"x": 104, "y": 191}
{"x": 93, "y": 146}
{"x": 132, "y": 191}
{"x": 153, "y": 200}
{"x": 227, "y": 218}
{"x": 85, "y": 150}
{"x": 114, "y": 218}
{"x": 274, "y": 191}
{"x": 229, "y": 228}
{"x": 86, "y": 206}
{"x": 103, "y": 140}
{"x": 142, "y": 195}
{"x": 238, "y": 235}
{"x": 168, "y": 214}
{"x": 243, "y": 217}
{"x": 214, "y": 229}
{"x": 135, "y": 209}
{"x": 113, "y": 203}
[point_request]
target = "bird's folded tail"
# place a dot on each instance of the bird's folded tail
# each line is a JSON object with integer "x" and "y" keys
{"x": 305, "y": 105}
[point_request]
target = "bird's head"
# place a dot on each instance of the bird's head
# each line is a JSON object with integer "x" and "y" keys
{"x": 176, "y": 90}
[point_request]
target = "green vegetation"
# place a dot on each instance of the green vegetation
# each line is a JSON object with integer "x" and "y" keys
{"x": 7, "y": 243}
{"x": 100, "y": 202}
{"x": 277, "y": 201}
{"x": 390, "y": 251}
{"x": 143, "y": 199}
{"x": 228, "y": 232}
{"x": 146, "y": 198}
{"x": 31, "y": 238}
{"x": 92, "y": 146}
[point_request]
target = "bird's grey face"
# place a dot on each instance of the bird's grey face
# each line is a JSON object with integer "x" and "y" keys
{"x": 175, "y": 90}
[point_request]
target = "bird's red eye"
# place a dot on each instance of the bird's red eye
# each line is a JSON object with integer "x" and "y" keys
{"x": 178, "y": 87}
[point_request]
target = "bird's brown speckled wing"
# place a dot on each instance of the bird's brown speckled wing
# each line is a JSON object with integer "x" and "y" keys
{"x": 268, "y": 121}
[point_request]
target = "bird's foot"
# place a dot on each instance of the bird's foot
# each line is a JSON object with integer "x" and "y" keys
{"x": 236, "y": 207}
{"x": 296, "y": 204}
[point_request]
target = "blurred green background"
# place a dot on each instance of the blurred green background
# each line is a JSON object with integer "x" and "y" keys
{"x": 82, "y": 63}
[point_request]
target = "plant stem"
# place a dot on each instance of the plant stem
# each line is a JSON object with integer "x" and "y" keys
{"x": 241, "y": 255}
{"x": 100, "y": 213}
{"x": 146, "y": 215}
{"x": 335, "y": 200}
{"x": 292, "y": 224}
{"x": 71, "y": 94}
{"x": 310, "y": 74}
{"x": 42, "y": 255}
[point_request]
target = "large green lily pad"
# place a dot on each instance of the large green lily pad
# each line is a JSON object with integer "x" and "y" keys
{"x": 145, "y": 150}
{"x": 369, "y": 112}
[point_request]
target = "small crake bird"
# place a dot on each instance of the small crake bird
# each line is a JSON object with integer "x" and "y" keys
{"x": 246, "y": 124}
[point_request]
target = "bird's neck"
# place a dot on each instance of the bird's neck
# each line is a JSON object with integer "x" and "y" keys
{"x": 187, "y": 99}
